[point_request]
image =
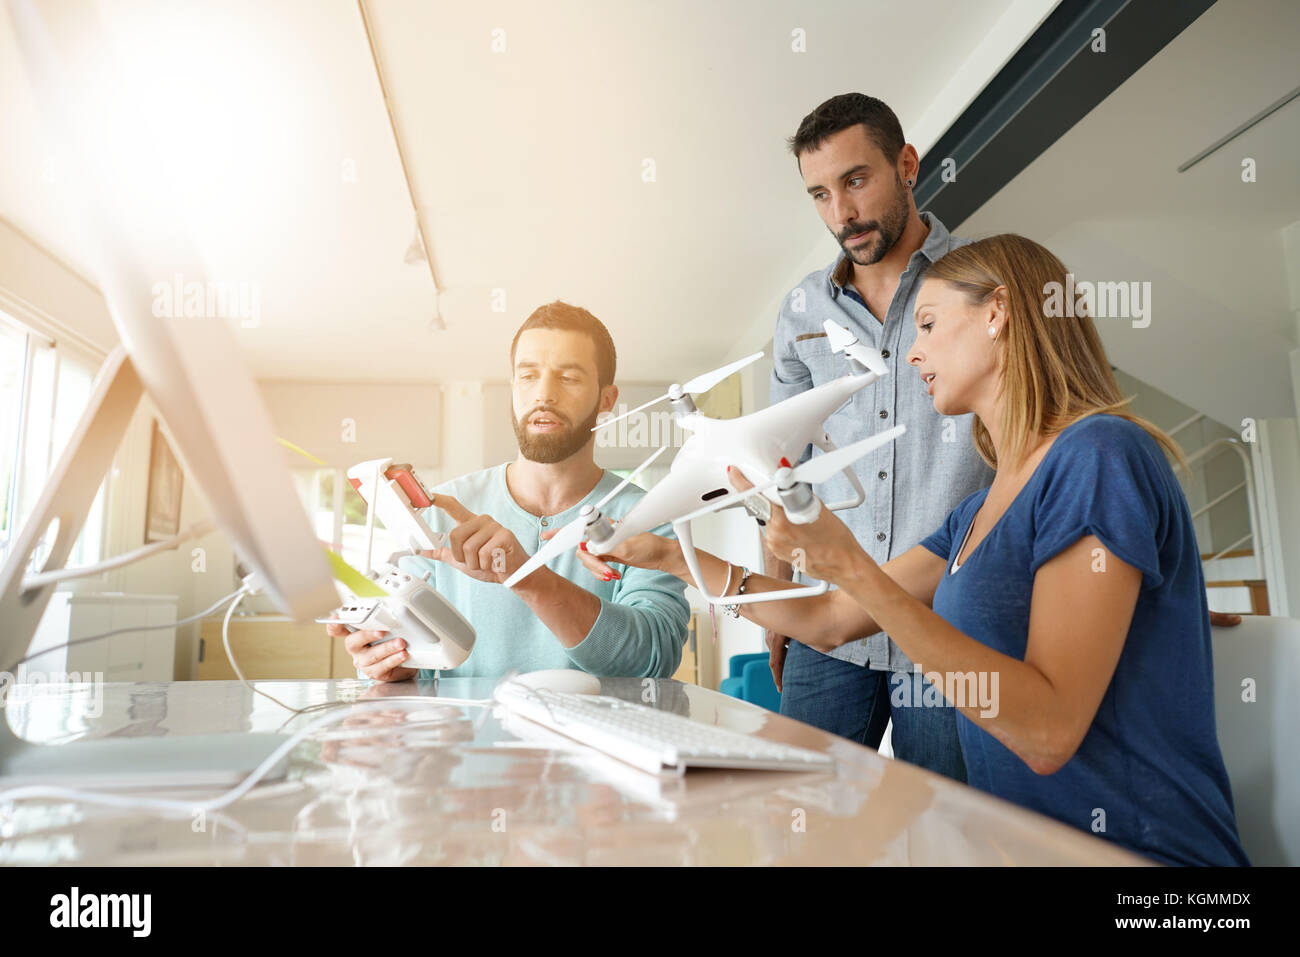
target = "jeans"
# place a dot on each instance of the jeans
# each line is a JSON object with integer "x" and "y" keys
{"x": 856, "y": 703}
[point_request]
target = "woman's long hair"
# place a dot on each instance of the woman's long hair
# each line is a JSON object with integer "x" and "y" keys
{"x": 1054, "y": 369}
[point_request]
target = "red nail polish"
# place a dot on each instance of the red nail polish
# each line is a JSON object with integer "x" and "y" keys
{"x": 583, "y": 546}
{"x": 605, "y": 577}
{"x": 617, "y": 575}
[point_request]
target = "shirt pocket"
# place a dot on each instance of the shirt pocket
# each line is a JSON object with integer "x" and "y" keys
{"x": 823, "y": 364}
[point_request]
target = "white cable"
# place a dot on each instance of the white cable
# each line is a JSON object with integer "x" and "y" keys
{"x": 41, "y": 579}
{"x": 117, "y": 631}
{"x": 189, "y": 807}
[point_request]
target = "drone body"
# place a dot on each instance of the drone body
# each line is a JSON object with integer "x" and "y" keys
{"x": 757, "y": 444}
{"x": 763, "y": 445}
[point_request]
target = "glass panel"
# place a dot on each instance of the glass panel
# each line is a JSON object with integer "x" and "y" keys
{"x": 13, "y": 349}
{"x": 37, "y": 440}
{"x": 75, "y": 381}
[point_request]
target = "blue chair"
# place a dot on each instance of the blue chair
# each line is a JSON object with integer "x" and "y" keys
{"x": 751, "y": 680}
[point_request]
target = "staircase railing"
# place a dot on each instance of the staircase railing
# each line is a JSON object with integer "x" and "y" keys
{"x": 1200, "y": 458}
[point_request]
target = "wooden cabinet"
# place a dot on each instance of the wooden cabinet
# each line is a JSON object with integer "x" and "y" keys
{"x": 269, "y": 647}
{"x": 688, "y": 671}
{"x": 274, "y": 647}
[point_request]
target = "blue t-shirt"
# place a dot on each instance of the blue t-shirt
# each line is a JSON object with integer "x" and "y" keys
{"x": 1150, "y": 762}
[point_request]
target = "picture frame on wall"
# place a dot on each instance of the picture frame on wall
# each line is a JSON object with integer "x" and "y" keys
{"x": 163, "y": 501}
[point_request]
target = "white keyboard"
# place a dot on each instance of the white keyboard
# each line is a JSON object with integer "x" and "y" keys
{"x": 649, "y": 739}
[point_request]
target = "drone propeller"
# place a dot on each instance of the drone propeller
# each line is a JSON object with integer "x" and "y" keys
{"x": 571, "y": 535}
{"x": 701, "y": 383}
{"x": 844, "y": 341}
{"x": 815, "y": 471}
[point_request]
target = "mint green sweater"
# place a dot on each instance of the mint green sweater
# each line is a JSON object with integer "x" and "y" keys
{"x": 643, "y": 615}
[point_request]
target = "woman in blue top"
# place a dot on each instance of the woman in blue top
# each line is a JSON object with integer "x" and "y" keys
{"x": 1071, "y": 588}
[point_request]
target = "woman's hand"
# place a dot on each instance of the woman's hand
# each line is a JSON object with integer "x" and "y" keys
{"x": 640, "y": 551}
{"x": 825, "y": 550}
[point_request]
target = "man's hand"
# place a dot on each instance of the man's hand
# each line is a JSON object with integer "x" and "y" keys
{"x": 776, "y": 649}
{"x": 777, "y": 645}
{"x": 479, "y": 546}
{"x": 383, "y": 662}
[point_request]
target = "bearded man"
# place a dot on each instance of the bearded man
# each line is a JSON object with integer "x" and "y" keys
{"x": 632, "y": 623}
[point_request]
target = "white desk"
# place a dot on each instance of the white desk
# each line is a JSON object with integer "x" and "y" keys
{"x": 458, "y": 786}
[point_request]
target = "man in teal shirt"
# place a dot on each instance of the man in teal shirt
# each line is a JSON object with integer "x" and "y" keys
{"x": 563, "y": 365}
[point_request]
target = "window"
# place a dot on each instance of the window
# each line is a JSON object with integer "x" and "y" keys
{"x": 650, "y": 476}
{"x": 338, "y": 515}
{"x": 43, "y": 393}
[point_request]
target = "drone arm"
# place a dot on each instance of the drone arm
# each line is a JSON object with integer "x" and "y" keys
{"x": 859, "y": 493}
{"x": 683, "y": 530}
{"x": 784, "y": 594}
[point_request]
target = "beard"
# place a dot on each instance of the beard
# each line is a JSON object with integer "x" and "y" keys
{"x": 888, "y": 230}
{"x": 551, "y": 447}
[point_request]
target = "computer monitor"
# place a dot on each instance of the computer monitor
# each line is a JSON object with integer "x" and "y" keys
{"x": 193, "y": 371}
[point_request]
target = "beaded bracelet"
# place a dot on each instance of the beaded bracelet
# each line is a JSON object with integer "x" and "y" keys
{"x": 734, "y": 609}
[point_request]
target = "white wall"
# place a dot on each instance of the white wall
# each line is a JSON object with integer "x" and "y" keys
{"x": 344, "y": 423}
{"x": 1291, "y": 252}
{"x": 476, "y": 431}
{"x": 1277, "y": 461}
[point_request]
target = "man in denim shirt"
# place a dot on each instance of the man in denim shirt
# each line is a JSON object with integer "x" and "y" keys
{"x": 859, "y": 172}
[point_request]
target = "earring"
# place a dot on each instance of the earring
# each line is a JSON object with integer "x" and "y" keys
{"x": 993, "y": 332}
{"x": 909, "y": 184}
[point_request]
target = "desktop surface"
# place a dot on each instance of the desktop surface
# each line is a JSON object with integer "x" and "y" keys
{"x": 437, "y": 783}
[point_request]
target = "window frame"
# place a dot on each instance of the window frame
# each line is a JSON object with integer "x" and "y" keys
{"x": 35, "y": 339}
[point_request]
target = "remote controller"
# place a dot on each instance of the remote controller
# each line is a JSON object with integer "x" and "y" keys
{"x": 437, "y": 636}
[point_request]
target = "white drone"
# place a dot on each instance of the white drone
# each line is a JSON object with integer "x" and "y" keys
{"x": 761, "y": 445}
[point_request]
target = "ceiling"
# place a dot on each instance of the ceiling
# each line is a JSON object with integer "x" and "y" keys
{"x": 529, "y": 162}
{"x": 1107, "y": 198}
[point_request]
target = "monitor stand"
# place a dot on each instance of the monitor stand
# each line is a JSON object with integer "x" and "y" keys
{"x": 197, "y": 760}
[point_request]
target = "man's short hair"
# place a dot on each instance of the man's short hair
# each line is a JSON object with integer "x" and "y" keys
{"x": 841, "y": 112}
{"x": 562, "y": 316}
